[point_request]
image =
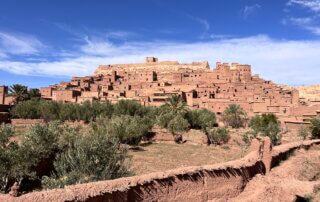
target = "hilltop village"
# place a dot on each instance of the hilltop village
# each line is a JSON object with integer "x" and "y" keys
{"x": 151, "y": 83}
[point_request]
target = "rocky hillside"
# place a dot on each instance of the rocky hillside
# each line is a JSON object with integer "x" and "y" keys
{"x": 309, "y": 92}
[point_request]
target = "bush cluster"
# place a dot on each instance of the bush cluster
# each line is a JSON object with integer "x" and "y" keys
{"x": 264, "y": 125}
{"x": 218, "y": 136}
{"x": 234, "y": 116}
{"x": 18, "y": 161}
{"x": 97, "y": 152}
{"x": 315, "y": 128}
{"x": 312, "y": 131}
{"x": 51, "y": 110}
{"x": 129, "y": 120}
{"x": 75, "y": 156}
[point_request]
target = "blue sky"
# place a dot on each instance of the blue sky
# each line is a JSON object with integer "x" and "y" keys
{"x": 44, "y": 42}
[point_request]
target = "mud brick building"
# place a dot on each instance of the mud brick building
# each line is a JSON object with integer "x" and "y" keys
{"x": 151, "y": 83}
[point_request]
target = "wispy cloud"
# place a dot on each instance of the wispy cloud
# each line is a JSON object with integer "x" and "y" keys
{"x": 265, "y": 54}
{"x": 203, "y": 22}
{"x": 82, "y": 33}
{"x": 302, "y": 21}
{"x": 249, "y": 9}
{"x": 313, "y": 5}
{"x": 221, "y": 36}
{"x": 17, "y": 44}
{"x": 307, "y": 23}
{"x": 311, "y": 21}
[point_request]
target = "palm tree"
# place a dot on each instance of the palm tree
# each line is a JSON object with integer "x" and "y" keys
{"x": 234, "y": 116}
{"x": 34, "y": 93}
{"x": 19, "y": 92}
{"x": 176, "y": 104}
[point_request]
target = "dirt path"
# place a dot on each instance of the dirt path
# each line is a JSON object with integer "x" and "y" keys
{"x": 297, "y": 177}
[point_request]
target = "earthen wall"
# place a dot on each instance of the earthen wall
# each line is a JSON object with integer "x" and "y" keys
{"x": 203, "y": 183}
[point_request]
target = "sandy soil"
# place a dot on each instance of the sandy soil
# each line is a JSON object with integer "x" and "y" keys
{"x": 297, "y": 177}
{"x": 151, "y": 158}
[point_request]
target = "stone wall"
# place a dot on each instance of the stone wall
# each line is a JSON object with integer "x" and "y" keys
{"x": 203, "y": 183}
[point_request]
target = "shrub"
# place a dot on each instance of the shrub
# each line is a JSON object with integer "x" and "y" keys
{"x": 49, "y": 110}
{"x": 164, "y": 119}
{"x": 27, "y": 109}
{"x": 218, "y": 136}
{"x": 104, "y": 109}
{"x": 84, "y": 111}
{"x": 178, "y": 124}
{"x": 234, "y": 116}
{"x": 248, "y": 136}
{"x": 34, "y": 93}
{"x": 128, "y": 129}
{"x": 18, "y": 161}
{"x": 129, "y": 107}
{"x": 303, "y": 133}
{"x": 201, "y": 119}
{"x": 267, "y": 125}
{"x": 89, "y": 158}
{"x": 68, "y": 111}
{"x": 7, "y": 150}
{"x": 315, "y": 128}
{"x": 41, "y": 140}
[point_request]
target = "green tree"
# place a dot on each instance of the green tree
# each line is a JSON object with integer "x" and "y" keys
{"x": 92, "y": 157}
{"x": 176, "y": 105}
{"x": 34, "y": 93}
{"x": 164, "y": 119}
{"x": 234, "y": 116}
{"x": 218, "y": 136}
{"x": 266, "y": 125}
{"x": 104, "y": 109}
{"x": 303, "y": 132}
{"x": 68, "y": 111}
{"x": 129, "y": 107}
{"x": 49, "y": 110}
{"x": 18, "y": 161}
{"x": 315, "y": 128}
{"x": 27, "y": 109}
{"x": 19, "y": 92}
{"x": 128, "y": 129}
{"x": 201, "y": 119}
{"x": 178, "y": 124}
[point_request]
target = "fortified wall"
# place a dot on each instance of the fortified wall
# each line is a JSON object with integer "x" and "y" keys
{"x": 203, "y": 183}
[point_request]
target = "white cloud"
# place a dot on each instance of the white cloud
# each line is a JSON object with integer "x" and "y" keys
{"x": 19, "y": 44}
{"x": 123, "y": 35}
{"x": 301, "y": 21}
{"x": 288, "y": 62}
{"x": 307, "y": 23}
{"x": 313, "y": 5}
{"x": 250, "y": 9}
{"x": 314, "y": 29}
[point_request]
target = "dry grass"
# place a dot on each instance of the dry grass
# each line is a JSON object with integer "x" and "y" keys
{"x": 161, "y": 157}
